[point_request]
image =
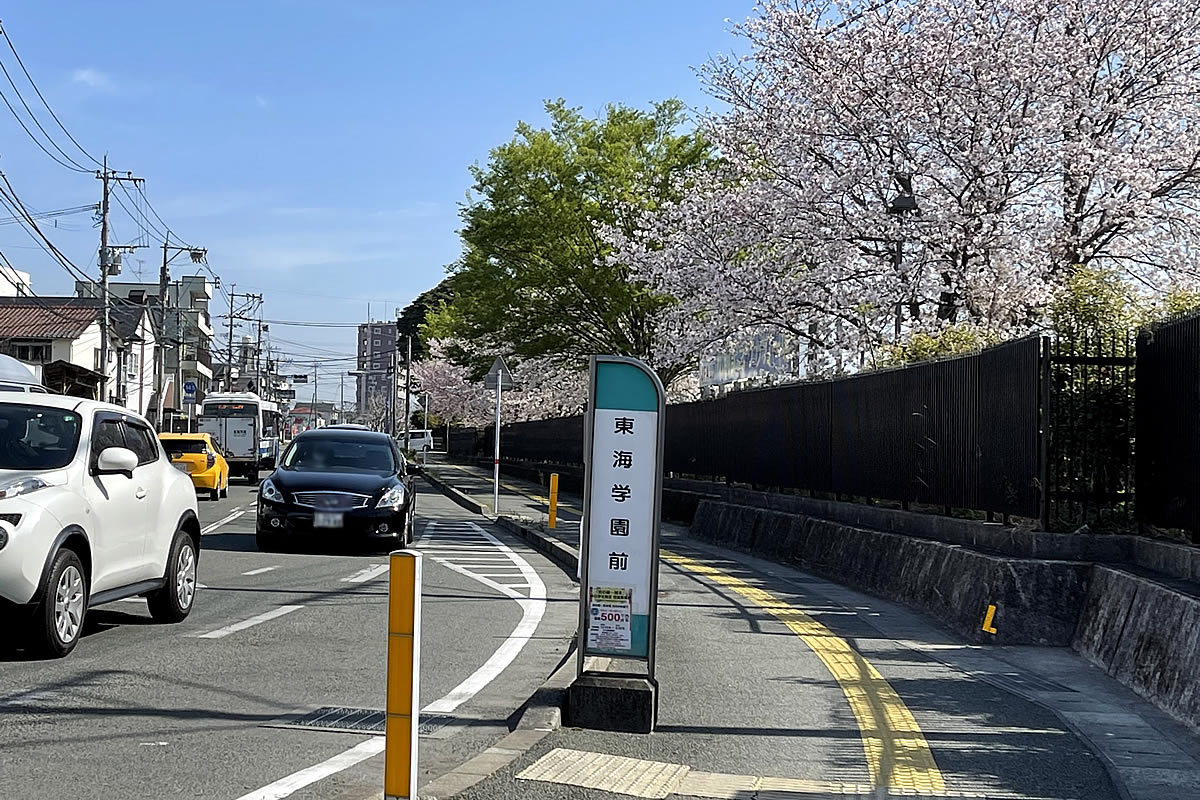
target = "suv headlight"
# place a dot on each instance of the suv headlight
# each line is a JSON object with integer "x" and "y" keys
{"x": 393, "y": 498}
{"x": 268, "y": 492}
{"x": 20, "y": 487}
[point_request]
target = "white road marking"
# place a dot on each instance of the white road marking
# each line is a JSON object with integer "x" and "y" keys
{"x": 261, "y": 570}
{"x": 285, "y": 787}
{"x": 532, "y": 609}
{"x": 364, "y": 575}
{"x": 237, "y": 512}
{"x": 221, "y": 633}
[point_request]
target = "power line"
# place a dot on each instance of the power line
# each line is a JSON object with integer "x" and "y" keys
{"x": 21, "y": 122}
{"x": 29, "y": 77}
{"x": 33, "y": 117}
{"x": 13, "y": 202}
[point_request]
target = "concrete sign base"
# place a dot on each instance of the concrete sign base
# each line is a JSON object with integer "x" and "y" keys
{"x": 628, "y": 704}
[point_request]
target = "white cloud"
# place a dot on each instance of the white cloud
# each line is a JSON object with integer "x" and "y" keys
{"x": 94, "y": 78}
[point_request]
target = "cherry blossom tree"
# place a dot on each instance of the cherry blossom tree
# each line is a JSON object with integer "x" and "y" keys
{"x": 544, "y": 388}
{"x": 895, "y": 168}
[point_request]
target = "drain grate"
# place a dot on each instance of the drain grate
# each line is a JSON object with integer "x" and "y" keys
{"x": 343, "y": 719}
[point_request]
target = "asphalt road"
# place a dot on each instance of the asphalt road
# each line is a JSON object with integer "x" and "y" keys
{"x": 142, "y": 711}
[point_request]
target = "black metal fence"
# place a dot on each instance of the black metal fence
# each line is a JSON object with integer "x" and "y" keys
{"x": 1168, "y": 425}
{"x": 962, "y": 433}
{"x": 1091, "y": 413}
{"x": 1036, "y": 428}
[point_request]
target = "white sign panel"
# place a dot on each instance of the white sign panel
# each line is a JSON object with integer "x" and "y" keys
{"x": 620, "y": 564}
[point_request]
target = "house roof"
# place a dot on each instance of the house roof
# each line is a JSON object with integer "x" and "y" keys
{"x": 46, "y": 318}
{"x": 65, "y": 317}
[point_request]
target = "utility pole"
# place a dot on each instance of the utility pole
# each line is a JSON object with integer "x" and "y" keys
{"x": 395, "y": 380}
{"x": 407, "y": 391}
{"x": 105, "y": 175}
{"x": 314, "y": 403}
{"x": 234, "y": 316}
{"x": 258, "y": 361}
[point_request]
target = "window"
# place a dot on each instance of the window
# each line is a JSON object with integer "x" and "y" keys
{"x": 140, "y": 440}
{"x": 106, "y": 434}
{"x": 96, "y": 360}
{"x": 32, "y": 351}
{"x": 36, "y": 437}
{"x": 379, "y": 343}
{"x": 133, "y": 363}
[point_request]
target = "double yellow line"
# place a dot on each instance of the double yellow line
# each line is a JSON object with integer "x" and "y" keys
{"x": 898, "y": 757}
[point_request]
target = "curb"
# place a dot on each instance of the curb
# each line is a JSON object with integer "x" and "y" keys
{"x": 540, "y": 716}
{"x": 474, "y": 506}
{"x": 561, "y": 554}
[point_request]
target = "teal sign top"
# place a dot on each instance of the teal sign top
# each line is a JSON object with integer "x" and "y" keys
{"x": 624, "y": 386}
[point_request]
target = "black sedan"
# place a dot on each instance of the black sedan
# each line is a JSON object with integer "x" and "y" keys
{"x": 340, "y": 486}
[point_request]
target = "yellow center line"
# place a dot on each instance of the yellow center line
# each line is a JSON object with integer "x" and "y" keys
{"x": 898, "y": 757}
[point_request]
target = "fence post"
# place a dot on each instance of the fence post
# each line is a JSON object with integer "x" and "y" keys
{"x": 1044, "y": 435}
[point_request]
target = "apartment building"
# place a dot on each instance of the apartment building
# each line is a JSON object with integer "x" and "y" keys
{"x": 376, "y": 349}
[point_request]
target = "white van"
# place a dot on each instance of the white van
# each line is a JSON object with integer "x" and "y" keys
{"x": 419, "y": 440}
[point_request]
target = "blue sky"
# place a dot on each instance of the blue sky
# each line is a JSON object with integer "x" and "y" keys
{"x": 319, "y": 149}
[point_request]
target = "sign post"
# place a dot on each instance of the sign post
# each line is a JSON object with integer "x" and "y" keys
{"x": 189, "y": 393}
{"x": 498, "y": 378}
{"x": 619, "y": 554}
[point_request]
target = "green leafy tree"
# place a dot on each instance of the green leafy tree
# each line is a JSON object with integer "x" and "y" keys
{"x": 412, "y": 319}
{"x": 536, "y": 279}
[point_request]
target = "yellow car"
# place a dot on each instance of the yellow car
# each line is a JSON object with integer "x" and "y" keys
{"x": 200, "y": 457}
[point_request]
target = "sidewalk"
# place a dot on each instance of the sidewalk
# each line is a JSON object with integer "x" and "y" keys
{"x": 776, "y": 684}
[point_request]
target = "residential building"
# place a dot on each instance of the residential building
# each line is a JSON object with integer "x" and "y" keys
{"x": 186, "y": 328}
{"x": 310, "y": 415}
{"x": 62, "y": 335}
{"x": 376, "y": 349}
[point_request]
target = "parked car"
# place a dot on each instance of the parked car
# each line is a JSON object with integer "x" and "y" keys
{"x": 200, "y": 458}
{"x": 339, "y": 485}
{"x": 91, "y": 511}
{"x": 419, "y": 441}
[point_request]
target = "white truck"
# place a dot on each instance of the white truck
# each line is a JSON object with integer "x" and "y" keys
{"x": 246, "y": 428}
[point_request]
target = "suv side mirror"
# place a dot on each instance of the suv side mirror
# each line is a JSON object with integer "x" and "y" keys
{"x": 117, "y": 461}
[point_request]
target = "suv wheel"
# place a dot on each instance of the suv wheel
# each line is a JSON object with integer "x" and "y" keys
{"x": 173, "y": 602}
{"x": 58, "y": 621}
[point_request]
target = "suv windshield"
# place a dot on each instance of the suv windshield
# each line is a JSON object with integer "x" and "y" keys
{"x": 339, "y": 455}
{"x": 36, "y": 437}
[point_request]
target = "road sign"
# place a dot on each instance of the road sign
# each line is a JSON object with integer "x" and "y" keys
{"x": 300, "y": 378}
{"x": 189, "y": 392}
{"x": 499, "y": 374}
{"x": 623, "y": 486}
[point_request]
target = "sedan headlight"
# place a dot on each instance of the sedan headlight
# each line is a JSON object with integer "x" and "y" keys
{"x": 392, "y": 498}
{"x": 268, "y": 492}
{"x": 20, "y": 487}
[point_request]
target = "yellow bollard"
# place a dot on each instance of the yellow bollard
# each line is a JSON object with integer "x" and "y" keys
{"x": 553, "y": 499}
{"x": 403, "y": 676}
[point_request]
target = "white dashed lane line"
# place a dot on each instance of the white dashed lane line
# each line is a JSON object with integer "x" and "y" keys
{"x": 258, "y": 619}
{"x": 369, "y": 573}
{"x": 237, "y": 512}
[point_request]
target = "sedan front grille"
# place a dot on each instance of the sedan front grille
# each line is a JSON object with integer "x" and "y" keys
{"x": 332, "y": 500}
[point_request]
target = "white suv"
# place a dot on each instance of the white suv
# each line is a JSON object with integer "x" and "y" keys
{"x": 91, "y": 511}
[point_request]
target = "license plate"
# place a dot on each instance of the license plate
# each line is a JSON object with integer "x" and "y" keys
{"x": 182, "y": 467}
{"x": 327, "y": 519}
